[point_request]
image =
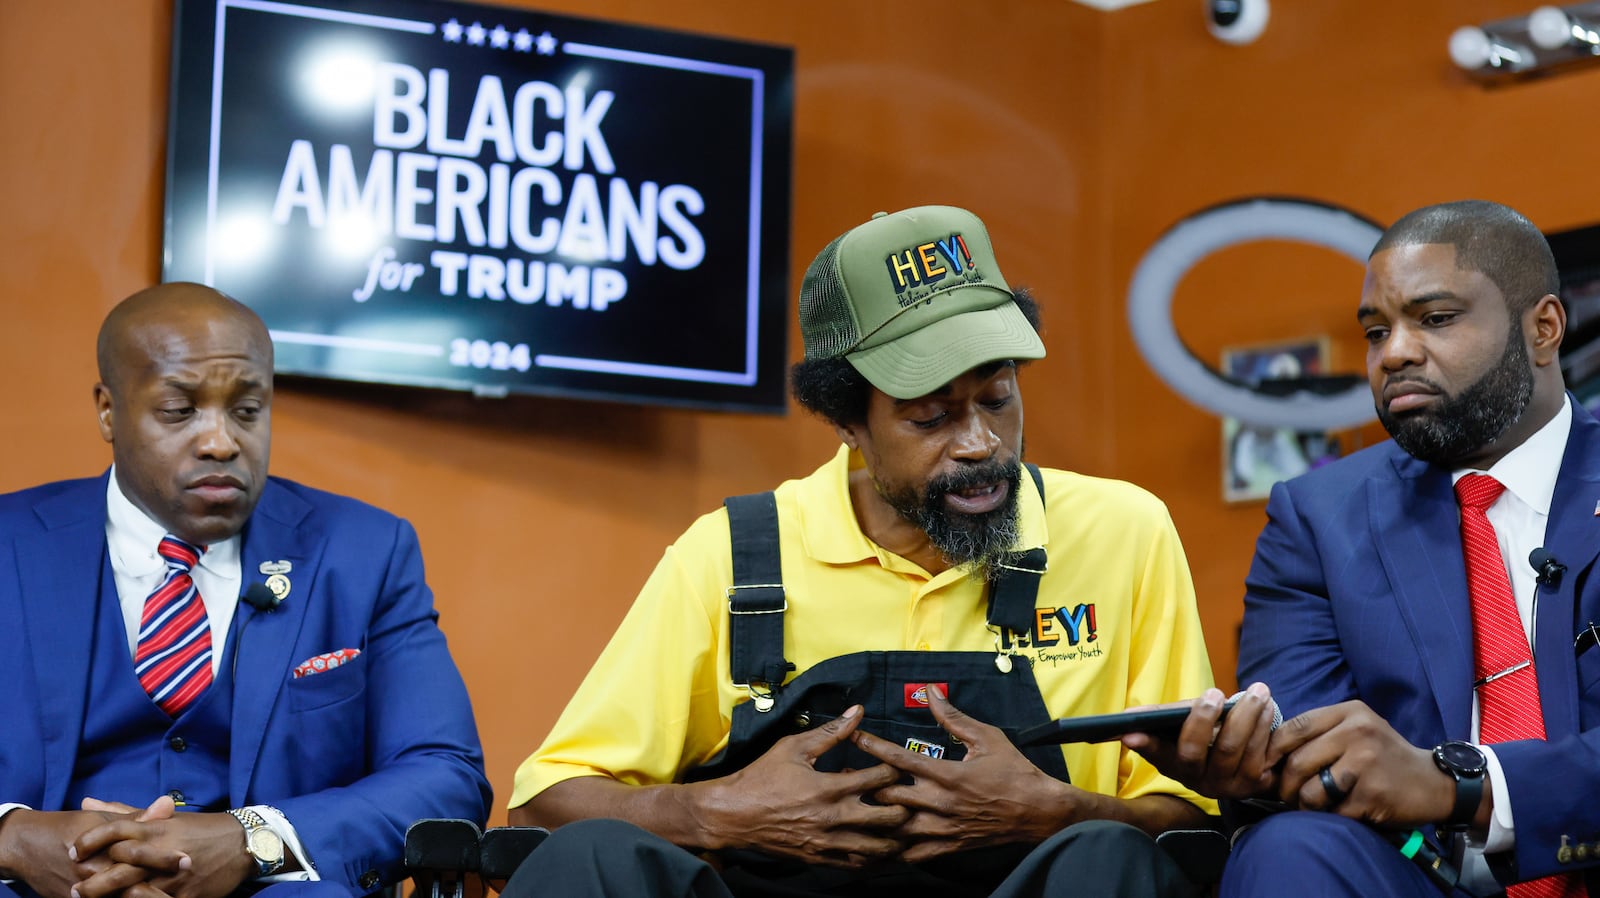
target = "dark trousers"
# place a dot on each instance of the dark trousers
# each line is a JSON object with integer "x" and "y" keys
{"x": 1309, "y": 854}
{"x": 602, "y": 858}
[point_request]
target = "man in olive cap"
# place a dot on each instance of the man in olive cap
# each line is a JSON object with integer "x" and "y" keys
{"x": 782, "y": 699}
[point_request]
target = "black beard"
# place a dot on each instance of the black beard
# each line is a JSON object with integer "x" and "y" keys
{"x": 1458, "y": 426}
{"x": 979, "y": 540}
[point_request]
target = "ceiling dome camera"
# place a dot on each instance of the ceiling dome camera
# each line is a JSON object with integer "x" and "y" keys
{"x": 1236, "y": 21}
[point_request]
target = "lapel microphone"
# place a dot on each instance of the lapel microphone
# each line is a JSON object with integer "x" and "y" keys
{"x": 264, "y": 601}
{"x": 259, "y": 597}
{"x": 1549, "y": 570}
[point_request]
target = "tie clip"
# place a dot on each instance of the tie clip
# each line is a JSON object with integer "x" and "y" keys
{"x": 1495, "y": 676}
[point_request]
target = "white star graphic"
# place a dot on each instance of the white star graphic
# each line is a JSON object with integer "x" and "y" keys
{"x": 523, "y": 41}
{"x": 452, "y": 31}
{"x": 499, "y": 38}
{"x": 475, "y": 35}
{"x": 547, "y": 44}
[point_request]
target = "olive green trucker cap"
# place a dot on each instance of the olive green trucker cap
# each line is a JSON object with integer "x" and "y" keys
{"x": 913, "y": 300}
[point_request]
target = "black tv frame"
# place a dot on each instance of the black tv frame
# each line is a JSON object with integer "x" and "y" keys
{"x": 742, "y": 315}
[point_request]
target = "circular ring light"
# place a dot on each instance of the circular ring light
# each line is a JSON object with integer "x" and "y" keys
{"x": 1158, "y": 274}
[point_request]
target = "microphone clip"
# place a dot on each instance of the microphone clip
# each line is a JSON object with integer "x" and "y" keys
{"x": 262, "y": 598}
{"x": 1547, "y": 569}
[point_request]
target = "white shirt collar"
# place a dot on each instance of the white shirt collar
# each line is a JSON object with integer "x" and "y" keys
{"x": 133, "y": 537}
{"x": 1529, "y": 471}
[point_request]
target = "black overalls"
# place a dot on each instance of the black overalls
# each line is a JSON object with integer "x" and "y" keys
{"x": 998, "y": 689}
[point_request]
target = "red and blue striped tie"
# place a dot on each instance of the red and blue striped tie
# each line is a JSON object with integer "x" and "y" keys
{"x": 173, "y": 660}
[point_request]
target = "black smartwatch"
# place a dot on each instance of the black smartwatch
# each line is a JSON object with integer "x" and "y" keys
{"x": 1466, "y": 764}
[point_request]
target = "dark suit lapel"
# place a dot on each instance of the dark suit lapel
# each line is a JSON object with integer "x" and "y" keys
{"x": 263, "y": 658}
{"x": 59, "y": 569}
{"x": 1418, "y": 531}
{"x": 1572, "y": 537}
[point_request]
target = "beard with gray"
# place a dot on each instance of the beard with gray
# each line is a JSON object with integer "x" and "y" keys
{"x": 1460, "y": 425}
{"x": 979, "y": 542}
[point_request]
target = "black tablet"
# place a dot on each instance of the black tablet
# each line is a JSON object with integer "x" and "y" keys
{"x": 1163, "y": 723}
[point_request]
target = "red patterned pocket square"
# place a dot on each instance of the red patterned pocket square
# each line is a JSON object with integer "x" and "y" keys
{"x": 325, "y": 662}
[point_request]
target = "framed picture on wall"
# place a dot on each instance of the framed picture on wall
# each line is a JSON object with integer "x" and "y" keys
{"x": 1255, "y": 458}
{"x": 1577, "y": 254}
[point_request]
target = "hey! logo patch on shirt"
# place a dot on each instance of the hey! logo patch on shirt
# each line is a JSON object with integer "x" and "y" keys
{"x": 931, "y": 749}
{"x": 917, "y": 693}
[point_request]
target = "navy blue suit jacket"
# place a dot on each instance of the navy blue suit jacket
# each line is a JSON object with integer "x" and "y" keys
{"x": 1358, "y": 590}
{"x": 351, "y": 756}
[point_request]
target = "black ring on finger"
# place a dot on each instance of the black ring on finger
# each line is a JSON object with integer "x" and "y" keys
{"x": 1336, "y": 795}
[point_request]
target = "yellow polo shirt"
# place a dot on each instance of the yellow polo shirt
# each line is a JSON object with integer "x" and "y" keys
{"x": 1115, "y": 626}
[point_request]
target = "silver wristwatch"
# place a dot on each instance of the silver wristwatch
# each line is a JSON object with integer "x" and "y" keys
{"x": 264, "y": 846}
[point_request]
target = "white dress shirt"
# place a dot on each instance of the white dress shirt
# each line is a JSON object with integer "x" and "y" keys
{"x": 132, "y": 538}
{"x": 1519, "y": 517}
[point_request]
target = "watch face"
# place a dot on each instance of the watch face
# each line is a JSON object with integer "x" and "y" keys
{"x": 1462, "y": 757}
{"x": 266, "y": 846}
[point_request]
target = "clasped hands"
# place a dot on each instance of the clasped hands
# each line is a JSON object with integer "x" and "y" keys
{"x": 1375, "y": 775}
{"x": 781, "y": 804}
{"x": 113, "y": 849}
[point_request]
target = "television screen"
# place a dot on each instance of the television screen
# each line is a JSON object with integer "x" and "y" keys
{"x": 486, "y": 198}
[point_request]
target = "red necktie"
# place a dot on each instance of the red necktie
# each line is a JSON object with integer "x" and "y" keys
{"x": 173, "y": 658}
{"x": 1508, "y": 689}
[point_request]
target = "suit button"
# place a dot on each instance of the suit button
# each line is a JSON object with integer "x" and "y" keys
{"x": 368, "y": 880}
{"x": 177, "y": 744}
{"x": 177, "y": 796}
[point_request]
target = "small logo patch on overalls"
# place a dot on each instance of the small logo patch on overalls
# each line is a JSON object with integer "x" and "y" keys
{"x": 932, "y": 750}
{"x": 917, "y": 693}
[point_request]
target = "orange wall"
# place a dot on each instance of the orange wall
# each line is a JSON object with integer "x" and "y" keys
{"x": 1353, "y": 102}
{"x": 1078, "y": 135}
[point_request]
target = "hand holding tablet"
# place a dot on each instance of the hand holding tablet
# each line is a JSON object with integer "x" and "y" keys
{"x": 1162, "y": 723}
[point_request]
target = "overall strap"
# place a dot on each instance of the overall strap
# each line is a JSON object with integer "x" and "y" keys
{"x": 1014, "y": 585}
{"x": 756, "y": 601}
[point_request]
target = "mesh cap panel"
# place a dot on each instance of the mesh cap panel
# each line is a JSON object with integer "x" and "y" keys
{"x": 826, "y": 322}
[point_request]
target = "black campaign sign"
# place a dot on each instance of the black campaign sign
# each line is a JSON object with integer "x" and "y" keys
{"x": 487, "y": 198}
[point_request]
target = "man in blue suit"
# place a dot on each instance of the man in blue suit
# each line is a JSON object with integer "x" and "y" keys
{"x": 1439, "y": 677}
{"x": 161, "y": 736}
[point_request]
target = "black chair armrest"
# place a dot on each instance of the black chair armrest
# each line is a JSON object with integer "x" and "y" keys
{"x": 504, "y": 848}
{"x": 1199, "y": 853}
{"x": 443, "y": 857}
